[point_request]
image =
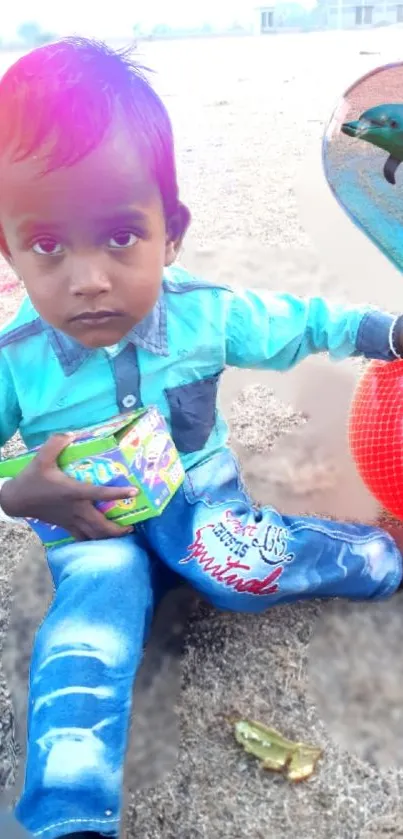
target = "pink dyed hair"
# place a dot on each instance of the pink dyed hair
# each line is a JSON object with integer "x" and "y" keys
{"x": 58, "y": 101}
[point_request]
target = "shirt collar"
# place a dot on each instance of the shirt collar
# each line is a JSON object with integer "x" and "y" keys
{"x": 150, "y": 334}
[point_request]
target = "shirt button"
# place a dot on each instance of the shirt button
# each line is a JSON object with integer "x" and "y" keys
{"x": 129, "y": 400}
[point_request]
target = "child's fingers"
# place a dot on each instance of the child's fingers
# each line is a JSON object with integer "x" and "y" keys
{"x": 49, "y": 452}
{"x": 94, "y": 525}
{"x": 90, "y": 492}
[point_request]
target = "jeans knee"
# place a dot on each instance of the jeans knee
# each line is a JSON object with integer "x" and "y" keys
{"x": 74, "y": 642}
{"x": 119, "y": 558}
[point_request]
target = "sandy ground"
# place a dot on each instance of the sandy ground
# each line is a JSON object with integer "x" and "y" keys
{"x": 246, "y": 114}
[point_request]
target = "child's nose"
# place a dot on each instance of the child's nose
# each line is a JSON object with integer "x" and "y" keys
{"x": 88, "y": 277}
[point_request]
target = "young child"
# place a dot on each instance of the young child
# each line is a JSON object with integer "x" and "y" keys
{"x": 91, "y": 221}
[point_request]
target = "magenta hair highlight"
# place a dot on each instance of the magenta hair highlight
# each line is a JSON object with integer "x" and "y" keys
{"x": 58, "y": 101}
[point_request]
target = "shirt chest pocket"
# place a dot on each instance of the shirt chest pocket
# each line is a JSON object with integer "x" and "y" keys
{"x": 193, "y": 412}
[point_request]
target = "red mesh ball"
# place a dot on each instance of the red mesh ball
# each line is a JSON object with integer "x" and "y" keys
{"x": 376, "y": 433}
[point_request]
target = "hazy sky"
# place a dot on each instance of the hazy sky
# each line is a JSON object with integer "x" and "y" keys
{"x": 118, "y": 17}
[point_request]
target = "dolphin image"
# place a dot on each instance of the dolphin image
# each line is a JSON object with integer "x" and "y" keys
{"x": 383, "y": 127}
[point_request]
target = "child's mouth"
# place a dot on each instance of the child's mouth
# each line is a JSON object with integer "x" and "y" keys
{"x": 96, "y": 318}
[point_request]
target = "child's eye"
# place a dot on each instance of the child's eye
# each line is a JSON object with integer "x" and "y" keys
{"x": 122, "y": 239}
{"x": 47, "y": 247}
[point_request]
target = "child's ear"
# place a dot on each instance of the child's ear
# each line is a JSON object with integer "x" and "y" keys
{"x": 177, "y": 226}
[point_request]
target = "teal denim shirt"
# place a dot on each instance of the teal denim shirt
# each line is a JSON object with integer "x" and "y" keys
{"x": 173, "y": 359}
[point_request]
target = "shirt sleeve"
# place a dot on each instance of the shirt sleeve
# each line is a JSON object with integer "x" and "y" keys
{"x": 10, "y": 412}
{"x": 10, "y": 418}
{"x": 276, "y": 331}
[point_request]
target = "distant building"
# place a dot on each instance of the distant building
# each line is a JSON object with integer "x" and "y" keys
{"x": 287, "y": 15}
{"x": 264, "y": 19}
{"x": 350, "y": 14}
{"x": 329, "y": 14}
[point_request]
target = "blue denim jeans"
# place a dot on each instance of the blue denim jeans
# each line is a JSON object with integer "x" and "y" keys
{"x": 88, "y": 649}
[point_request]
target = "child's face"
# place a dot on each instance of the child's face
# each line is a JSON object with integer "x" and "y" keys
{"x": 89, "y": 241}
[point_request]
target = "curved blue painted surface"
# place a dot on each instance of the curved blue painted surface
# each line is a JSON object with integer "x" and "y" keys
{"x": 375, "y": 206}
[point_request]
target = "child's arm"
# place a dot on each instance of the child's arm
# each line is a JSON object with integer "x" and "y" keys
{"x": 276, "y": 331}
{"x": 42, "y": 490}
{"x": 10, "y": 411}
{"x": 10, "y": 417}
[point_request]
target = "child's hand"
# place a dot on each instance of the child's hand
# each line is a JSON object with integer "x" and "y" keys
{"x": 397, "y": 336}
{"x": 42, "y": 491}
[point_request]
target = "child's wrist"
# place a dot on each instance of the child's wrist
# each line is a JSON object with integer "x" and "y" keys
{"x": 396, "y": 337}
